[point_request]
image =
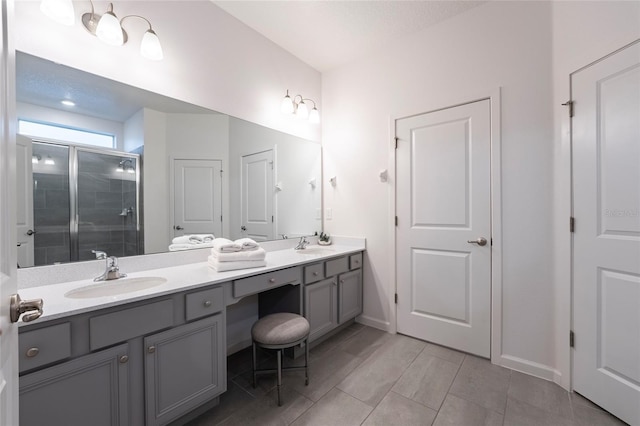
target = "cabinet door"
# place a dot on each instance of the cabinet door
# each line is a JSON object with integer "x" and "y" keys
{"x": 90, "y": 390}
{"x": 184, "y": 367}
{"x": 321, "y": 307}
{"x": 350, "y": 295}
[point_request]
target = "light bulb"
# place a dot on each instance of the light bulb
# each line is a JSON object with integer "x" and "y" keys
{"x": 35, "y": 159}
{"x": 131, "y": 170}
{"x": 302, "y": 112}
{"x": 119, "y": 169}
{"x": 109, "y": 30}
{"x": 287, "y": 104}
{"x": 49, "y": 161}
{"x": 314, "y": 115}
{"x": 60, "y": 11}
{"x": 150, "y": 47}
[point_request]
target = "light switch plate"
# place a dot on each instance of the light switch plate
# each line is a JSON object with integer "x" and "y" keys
{"x": 329, "y": 214}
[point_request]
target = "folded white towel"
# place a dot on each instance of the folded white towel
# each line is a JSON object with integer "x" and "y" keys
{"x": 201, "y": 238}
{"x": 247, "y": 243}
{"x": 182, "y": 246}
{"x": 181, "y": 240}
{"x": 257, "y": 254}
{"x": 232, "y": 266}
{"x": 223, "y": 245}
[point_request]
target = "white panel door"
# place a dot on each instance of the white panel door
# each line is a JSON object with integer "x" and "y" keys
{"x": 257, "y": 198}
{"x": 444, "y": 210}
{"x": 24, "y": 201}
{"x": 606, "y": 241}
{"x": 8, "y": 281}
{"x": 197, "y": 197}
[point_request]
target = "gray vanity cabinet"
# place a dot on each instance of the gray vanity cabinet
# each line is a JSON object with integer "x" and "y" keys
{"x": 321, "y": 307}
{"x": 349, "y": 295}
{"x": 94, "y": 386}
{"x": 184, "y": 369}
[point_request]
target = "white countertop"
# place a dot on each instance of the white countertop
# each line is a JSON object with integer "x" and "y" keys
{"x": 179, "y": 278}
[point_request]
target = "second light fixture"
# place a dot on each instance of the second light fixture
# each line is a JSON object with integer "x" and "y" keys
{"x": 298, "y": 107}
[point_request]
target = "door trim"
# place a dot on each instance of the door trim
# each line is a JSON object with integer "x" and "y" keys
{"x": 496, "y": 217}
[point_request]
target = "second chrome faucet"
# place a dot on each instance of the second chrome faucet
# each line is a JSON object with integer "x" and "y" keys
{"x": 112, "y": 270}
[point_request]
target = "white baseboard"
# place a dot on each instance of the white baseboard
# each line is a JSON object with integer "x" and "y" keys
{"x": 529, "y": 367}
{"x": 374, "y": 322}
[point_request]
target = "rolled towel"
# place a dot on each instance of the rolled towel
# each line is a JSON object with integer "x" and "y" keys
{"x": 201, "y": 238}
{"x": 223, "y": 245}
{"x": 257, "y": 254}
{"x": 184, "y": 239}
{"x": 180, "y": 247}
{"x": 232, "y": 266}
{"x": 247, "y": 244}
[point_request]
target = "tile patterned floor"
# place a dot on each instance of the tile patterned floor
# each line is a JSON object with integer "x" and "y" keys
{"x": 363, "y": 376}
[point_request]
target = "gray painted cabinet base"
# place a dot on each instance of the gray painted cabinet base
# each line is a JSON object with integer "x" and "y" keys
{"x": 183, "y": 369}
{"x": 90, "y": 390}
{"x": 321, "y": 307}
{"x": 349, "y": 295}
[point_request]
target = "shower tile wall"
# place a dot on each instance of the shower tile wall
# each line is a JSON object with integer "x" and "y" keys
{"x": 51, "y": 218}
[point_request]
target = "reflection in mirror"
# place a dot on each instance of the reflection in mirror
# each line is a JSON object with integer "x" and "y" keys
{"x": 167, "y": 169}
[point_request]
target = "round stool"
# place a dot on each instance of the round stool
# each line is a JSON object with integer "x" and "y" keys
{"x": 280, "y": 331}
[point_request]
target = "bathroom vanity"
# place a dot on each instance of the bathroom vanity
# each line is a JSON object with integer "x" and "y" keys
{"x": 154, "y": 355}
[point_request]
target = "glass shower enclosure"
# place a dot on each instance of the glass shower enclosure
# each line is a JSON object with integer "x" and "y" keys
{"x": 84, "y": 199}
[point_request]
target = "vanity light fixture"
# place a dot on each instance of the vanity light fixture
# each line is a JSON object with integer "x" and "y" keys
{"x": 49, "y": 161}
{"x": 298, "y": 107}
{"x": 107, "y": 27}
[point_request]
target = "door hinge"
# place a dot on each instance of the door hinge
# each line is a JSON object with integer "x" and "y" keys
{"x": 396, "y": 143}
{"x": 271, "y": 219}
{"x": 570, "y": 105}
{"x": 221, "y": 172}
{"x": 572, "y": 339}
{"x": 572, "y": 224}
{"x": 220, "y": 218}
{"x": 395, "y": 298}
{"x": 396, "y": 220}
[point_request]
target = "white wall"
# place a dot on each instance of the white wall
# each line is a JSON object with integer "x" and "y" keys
{"x": 39, "y": 113}
{"x": 499, "y": 44}
{"x": 201, "y": 136}
{"x": 211, "y": 59}
{"x": 582, "y": 33}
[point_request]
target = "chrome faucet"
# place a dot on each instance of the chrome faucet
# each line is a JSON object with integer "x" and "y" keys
{"x": 302, "y": 244}
{"x": 112, "y": 270}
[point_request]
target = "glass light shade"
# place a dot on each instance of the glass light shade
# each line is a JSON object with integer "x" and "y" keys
{"x": 150, "y": 47}
{"x": 287, "y": 105}
{"x": 60, "y": 11}
{"x": 49, "y": 161}
{"x": 35, "y": 159}
{"x": 314, "y": 115}
{"x": 302, "y": 112}
{"x": 131, "y": 170}
{"x": 109, "y": 30}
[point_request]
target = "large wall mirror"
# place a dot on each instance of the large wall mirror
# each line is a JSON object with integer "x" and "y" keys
{"x": 126, "y": 171}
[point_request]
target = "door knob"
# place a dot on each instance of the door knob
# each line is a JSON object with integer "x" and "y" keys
{"x": 178, "y": 228}
{"x": 30, "y": 232}
{"x": 19, "y": 307}
{"x": 482, "y": 241}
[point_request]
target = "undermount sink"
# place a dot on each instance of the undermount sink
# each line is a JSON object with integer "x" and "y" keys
{"x": 114, "y": 287}
{"x": 315, "y": 250}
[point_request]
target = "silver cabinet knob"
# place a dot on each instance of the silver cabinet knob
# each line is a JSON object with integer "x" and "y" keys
{"x": 315, "y": 274}
{"x": 124, "y": 359}
{"x": 151, "y": 349}
{"x": 272, "y": 280}
{"x": 31, "y": 352}
{"x": 207, "y": 303}
{"x": 482, "y": 241}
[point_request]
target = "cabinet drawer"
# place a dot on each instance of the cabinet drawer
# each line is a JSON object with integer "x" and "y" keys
{"x": 204, "y": 303}
{"x": 44, "y": 346}
{"x": 107, "y": 329}
{"x": 337, "y": 266}
{"x": 263, "y": 282}
{"x": 313, "y": 273}
{"x": 355, "y": 261}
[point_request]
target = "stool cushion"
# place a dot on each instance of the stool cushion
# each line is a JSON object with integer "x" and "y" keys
{"x": 280, "y": 329}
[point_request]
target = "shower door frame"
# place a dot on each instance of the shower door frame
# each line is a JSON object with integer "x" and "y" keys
{"x": 74, "y": 246}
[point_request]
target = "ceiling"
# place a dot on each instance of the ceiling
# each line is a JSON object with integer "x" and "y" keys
{"x": 327, "y": 34}
{"x": 45, "y": 83}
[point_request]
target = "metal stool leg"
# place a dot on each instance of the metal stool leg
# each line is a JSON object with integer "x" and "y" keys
{"x": 254, "y": 363}
{"x": 279, "y": 376}
{"x": 306, "y": 362}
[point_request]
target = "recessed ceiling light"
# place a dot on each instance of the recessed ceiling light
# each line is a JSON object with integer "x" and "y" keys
{"x": 68, "y": 103}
